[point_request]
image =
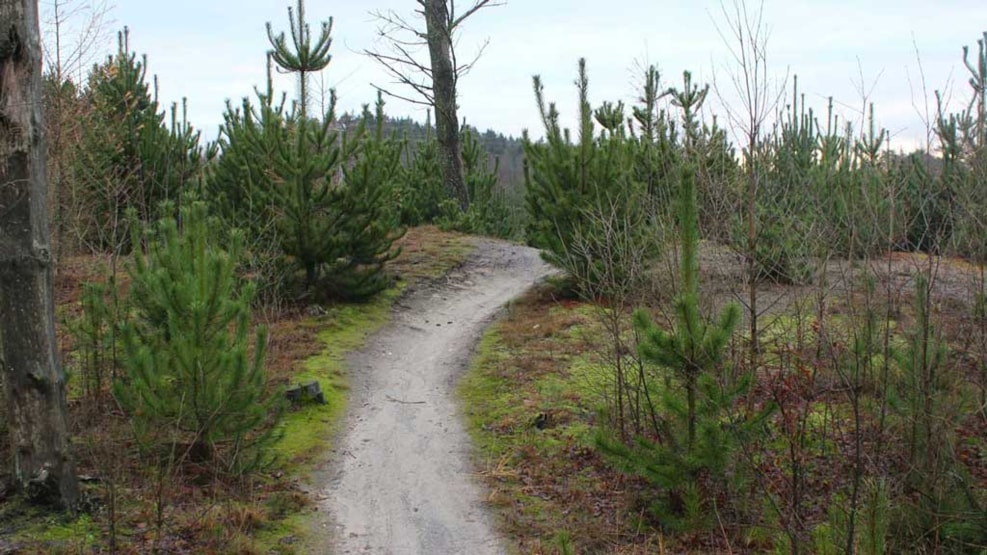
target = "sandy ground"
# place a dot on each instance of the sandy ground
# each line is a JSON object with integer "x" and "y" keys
{"x": 401, "y": 480}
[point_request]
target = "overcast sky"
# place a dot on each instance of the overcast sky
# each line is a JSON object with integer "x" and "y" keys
{"x": 213, "y": 50}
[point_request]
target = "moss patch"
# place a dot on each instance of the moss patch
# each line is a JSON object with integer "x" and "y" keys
{"x": 530, "y": 399}
{"x": 344, "y": 329}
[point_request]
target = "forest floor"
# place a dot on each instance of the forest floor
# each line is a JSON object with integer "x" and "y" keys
{"x": 400, "y": 479}
{"x": 387, "y": 467}
{"x": 538, "y": 390}
{"x": 133, "y": 507}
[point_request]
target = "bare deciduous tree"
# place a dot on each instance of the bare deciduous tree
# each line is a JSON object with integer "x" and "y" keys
{"x": 72, "y": 33}
{"x": 433, "y": 81}
{"x": 745, "y": 34}
{"x": 33, "y": 379}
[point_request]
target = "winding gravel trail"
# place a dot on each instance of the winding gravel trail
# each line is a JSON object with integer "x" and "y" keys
{"x": 401, "y": 478}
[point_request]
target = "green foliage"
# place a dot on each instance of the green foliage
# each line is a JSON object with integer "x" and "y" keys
{"x": 94, "y": 336}
{"x": 368, "y": 226}
{"x": 694, "y": 434}
{"x": 656, "y": 158}
{"x": 304, "y": 187}
{"x": 239, "y": 190}
{"x": 782, "y": 252}
{"x": 421, "y": 190}
{"x": 971, "y": 197}
{"x": 192, "y": 381}
{"x": 488, "y": 213}
{"x": 128, "y": 156}
{"x": 313, "y": 195}
{"x": 789, "y": 211}
{"x": 943, "y": 511}
{"x": 569, "y": 184}
{"x": 876, "y": 518}
{"x": 301, "y": 56}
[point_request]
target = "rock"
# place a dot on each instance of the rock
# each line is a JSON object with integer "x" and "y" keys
{"x": 42, "y": 489}
{"x": 315, "y": 311}
{"x": 304, "y": 392}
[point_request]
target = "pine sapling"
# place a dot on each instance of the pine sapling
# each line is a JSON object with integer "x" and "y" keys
{"x": 696, "y": 438}
{"x": 194, "y": 379}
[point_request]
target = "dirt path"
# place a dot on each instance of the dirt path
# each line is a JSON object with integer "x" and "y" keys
{"x": 401, "y": 478}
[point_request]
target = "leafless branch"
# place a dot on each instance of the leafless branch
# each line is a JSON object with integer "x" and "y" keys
{"x": 427, "y": 102}
{"x": 406, "y": 45}
{"x": 73, "y": 31}
{"x": 477, "y": 6}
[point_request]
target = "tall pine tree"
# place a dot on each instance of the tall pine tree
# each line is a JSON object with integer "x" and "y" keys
{"x": 325, "y": 184}
{"x": 129, "y": 155}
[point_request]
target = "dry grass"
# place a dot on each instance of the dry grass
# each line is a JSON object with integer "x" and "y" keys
{"x": 204, "y": 511}
{"x": 533, "y": 415}
{"x": 532, "y": 419}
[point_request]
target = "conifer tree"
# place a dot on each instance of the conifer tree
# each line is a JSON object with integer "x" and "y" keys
{"x": 191, "y": 378}
{"x": 655, "y": 137}
{"x": 691, "y": 439}
{"x": 326, "y": 187}
{"x": 421, "y": 191}
{"x": 488, "y": 213}
{"x": 369, "y": 225}
{"x": 308, "y": 162}
{"x": 302, "y": 56}
{"x": 240, "y": 187}
{"x": 568, "y": 183}
{"x": 128, "y": 155}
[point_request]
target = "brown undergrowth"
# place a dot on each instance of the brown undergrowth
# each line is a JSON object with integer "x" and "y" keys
{"x": 531, "y": 412}
{"x": 533, "y": 395}
{"x": 132, "y": 506}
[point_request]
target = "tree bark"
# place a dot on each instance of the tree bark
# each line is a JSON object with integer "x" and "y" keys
{"x": 439, "y": 37}
{"x": 34, "y": 383}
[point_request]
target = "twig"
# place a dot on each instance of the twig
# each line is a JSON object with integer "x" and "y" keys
{"x": 393, "y": 400}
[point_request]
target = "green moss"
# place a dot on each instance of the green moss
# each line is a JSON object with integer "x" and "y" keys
{"x": 502, "y": 403}
{"x": 493, "y": 399}
{"x": 53, "y": 533}
{"x": 270, "y": 539}
{"x": 307, "y": 431}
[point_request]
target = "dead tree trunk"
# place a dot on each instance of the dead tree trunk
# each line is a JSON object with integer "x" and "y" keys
{"x": 438, "y": 28}
{"x": 34, "y": 383}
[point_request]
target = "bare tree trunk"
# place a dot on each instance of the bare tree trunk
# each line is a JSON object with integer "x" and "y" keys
{"x": 439, "y": 36}
{"x": 33, "y": 379}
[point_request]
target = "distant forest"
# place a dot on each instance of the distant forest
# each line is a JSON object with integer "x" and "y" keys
{"x": 506, "y": 150}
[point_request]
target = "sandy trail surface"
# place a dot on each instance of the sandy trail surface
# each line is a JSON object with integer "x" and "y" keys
{"x": 401, "y": 480}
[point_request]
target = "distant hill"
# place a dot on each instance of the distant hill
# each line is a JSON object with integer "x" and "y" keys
{"x": 506, "y": 149}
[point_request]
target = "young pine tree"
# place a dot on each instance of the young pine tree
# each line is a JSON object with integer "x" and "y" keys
{"x": 488, "y": 213}
{"x": 569, "y": 184}
{"x": 328, "y": 186}
{"x": 369, "y": 226}
{"x": 127, "y": 156}
{"x": 692, "y": 401}
{"x": 193, "y": 377}
{"x": 692, "y": 404}
{"x": 421, "y": 189}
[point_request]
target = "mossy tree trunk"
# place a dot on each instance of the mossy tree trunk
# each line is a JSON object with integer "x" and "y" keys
{"x": 33, "y": 380}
